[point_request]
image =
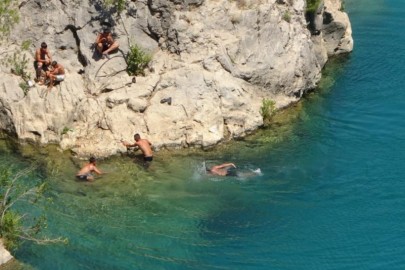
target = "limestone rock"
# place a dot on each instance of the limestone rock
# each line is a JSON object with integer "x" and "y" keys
{"x": 216, "y": 60}
{"x": 5, "y": 256}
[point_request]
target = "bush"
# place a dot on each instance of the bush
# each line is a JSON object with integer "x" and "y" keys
{"x": 268, "y": 109}
{"x": 287, "y": 16}
{"x": 15, "y": 227}
{"x": 24, "y": 86}
{"x": 8, "y": 15}
{"x": 118, "y": 4}
{"x": 312, "y": 5}
{"x": 18, "y": 61}
{"x": 137, "y": 60}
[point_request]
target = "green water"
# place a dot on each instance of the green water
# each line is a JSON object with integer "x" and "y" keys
{"x": 330, "y": 196}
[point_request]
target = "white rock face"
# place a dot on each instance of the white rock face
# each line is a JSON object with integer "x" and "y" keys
{"x": 5, "y": 256}
{"x": 216, "y": 59}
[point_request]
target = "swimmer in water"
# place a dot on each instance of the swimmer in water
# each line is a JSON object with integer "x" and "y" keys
{"x": 85, "y": 172}
{"x": 222, "y": 170}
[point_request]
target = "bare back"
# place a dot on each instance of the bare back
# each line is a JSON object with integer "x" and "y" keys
{"x": 144, "y": 145}
{"x": 59, "y": 70}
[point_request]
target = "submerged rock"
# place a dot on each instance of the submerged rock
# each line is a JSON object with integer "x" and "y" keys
{"x": 217, "y": 60}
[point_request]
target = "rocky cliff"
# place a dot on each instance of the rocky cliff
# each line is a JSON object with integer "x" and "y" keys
{"x": 216, "y": 59}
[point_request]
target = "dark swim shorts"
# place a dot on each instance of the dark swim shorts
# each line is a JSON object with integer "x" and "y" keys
{"x": 148, "y": 158}
{"x": 105, "y": 46}
{"x": 81, "y": 177}
{"x": 231, "y": 173}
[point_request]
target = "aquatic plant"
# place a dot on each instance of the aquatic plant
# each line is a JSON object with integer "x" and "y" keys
{"x": 15, "y": 227}
{"x": 137, "y": 60}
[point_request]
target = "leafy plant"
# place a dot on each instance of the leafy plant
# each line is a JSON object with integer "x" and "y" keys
{"x": 24, "y": 86}
{"x": 268, "y": 109}
{"x": 137, "y": 60}
{"x": 118, "y": 4}
{"x": 343, "y": 6}
{"x": 66, "y": 130}
{"x": 287, "y": 16}
{"x": 18, "y": 63}
{"x": 8, "y": 15}
{"x": 312, "y": 5}
{"x": 15, "y": 227}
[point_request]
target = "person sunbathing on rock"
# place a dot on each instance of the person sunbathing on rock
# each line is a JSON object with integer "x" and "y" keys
{"x": 40, "y": 59}
{"x": 56, "y": 74}
{"x": 222, "y": 170}
{"x": 85, "y": 173}
{"x": 105, "y": 43}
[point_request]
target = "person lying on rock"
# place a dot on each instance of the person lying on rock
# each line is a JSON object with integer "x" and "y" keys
{"x": 222, "y": 170}
{"x": 56, "y": 74}
{"x": 105, "y": 43}
{"x": 85, "y": 173}
{"x": 144, "y": 145}
{"x": 40, "y": 59}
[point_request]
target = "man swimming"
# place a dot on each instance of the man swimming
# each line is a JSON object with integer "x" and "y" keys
{"x": 144, "y": 145}
{"x": 222, "y": 171}
{"x": 85, "y": 172}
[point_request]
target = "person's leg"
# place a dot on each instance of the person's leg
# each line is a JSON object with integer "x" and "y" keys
{"x": 100, "y": 48}
{"x": 39, "y": 69}
{"x": 51, "y": 79}
{"x": 113, "y": 46}
{"x": 45, "y": 78}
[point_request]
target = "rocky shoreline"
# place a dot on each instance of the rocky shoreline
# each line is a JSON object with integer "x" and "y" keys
{"x": 216, "y": 59}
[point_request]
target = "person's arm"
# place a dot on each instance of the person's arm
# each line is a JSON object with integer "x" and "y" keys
{"x": 226, "y": 165}
{"x": 96, "y": 170}
{"x": 149, "y": 142}
{"x": 128, "y": 144}
{"x": 110, "y": 39}
{"x": 49, "y": 56}
{"x": 97, "y": 39}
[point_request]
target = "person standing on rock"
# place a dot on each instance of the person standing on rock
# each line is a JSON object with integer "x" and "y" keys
{"x": 56, "y": 74}
{"x": 40, "y": 59}
{"x": 144, "y": 145}
{"x": 105, "y": 43}
{"x": 85, "y": 173}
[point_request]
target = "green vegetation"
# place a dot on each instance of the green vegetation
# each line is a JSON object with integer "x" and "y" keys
{"x": 312, "y": 5}
{"x": 8, "y": 16}
{"x": 343, "y": 6}
{"x": 118, "y": 4}
{"x": 287, "y": 16}
{"x": 18, "y": 61}
{"x": 268, "y": 109}
{"x": 137, "y": 60}
{"x": 24, "y": 86}
{"x": 14, "y": 226}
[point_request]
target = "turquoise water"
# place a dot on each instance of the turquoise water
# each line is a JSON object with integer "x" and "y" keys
{"x": 331, "y": 195}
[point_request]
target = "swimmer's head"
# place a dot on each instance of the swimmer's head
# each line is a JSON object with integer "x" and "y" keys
{"x": 207, "y": 170}
{"x": 92, "y": 160}
{"x": 137, "y": 136}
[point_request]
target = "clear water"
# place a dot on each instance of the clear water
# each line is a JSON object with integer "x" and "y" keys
{"x": 331, "y": 195}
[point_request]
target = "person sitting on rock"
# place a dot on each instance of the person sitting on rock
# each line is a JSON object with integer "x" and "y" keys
{"x": 85, "y": 172}
{"x": 56, "y": 74}
{"x": 105, "y": 43}
{"x": 41, "y": 61}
